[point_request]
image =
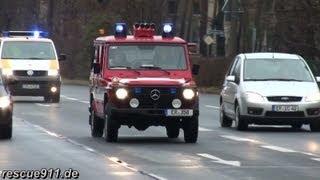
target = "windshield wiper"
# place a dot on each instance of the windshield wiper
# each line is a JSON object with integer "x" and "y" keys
{"x": 274, "y": 79}
{"x": 125, "y": 67}
{"x": 154, "y": 68}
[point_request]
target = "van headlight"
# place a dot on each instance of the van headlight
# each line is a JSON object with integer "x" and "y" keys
{"x": 121, "y": 93}
{"x": 7, "y": 72}
{"x": 53, "y": 72}
{"x": 188, "y": 94}
{"x": 313, "y": 97}
{"x": 254, "y": 97}
{"x": 5, "y": 101}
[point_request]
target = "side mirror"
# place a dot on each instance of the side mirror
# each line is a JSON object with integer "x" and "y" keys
{"x": 62, "y": 57}
{"x": 195, "y": 69}
{"x": 96, "y": 68}
{"x": 318, "y": 79}
{"x": 231, "y": 78}
{"x": 192, "y": 48}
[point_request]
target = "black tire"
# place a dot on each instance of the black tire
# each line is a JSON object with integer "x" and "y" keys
{"x": 173, "y": 130}
{"x": 297, "y": 126}
{"x": 111, "y": 130}
{"x": 56, "y": 98}
{"x": 52, "y": 98}
{"x": 191, "y": 128}
{"x": 6, "y": 132}
{"x": 96, "y": 125}
{"x": 315, "y": 126}
{"x": 240, "y": 123}
{"x": 224, "y": 120}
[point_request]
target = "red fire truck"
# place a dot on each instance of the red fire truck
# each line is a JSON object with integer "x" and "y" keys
{"x": 143, "y": 80}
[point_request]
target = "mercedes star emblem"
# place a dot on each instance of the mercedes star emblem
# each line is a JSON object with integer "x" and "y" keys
{"x": 155, "y": 94}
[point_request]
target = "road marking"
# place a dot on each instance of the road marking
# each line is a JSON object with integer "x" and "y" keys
{"x": 309, "y": 154}
{"x": 214, "y": 107}
{"x": 235, "y": 138}
{"x": 72, "y": 99}
{"x": 43, "y": 105}
{"x": 316, "y": 159}
{"x": 87, "y": 148}
{"x": 280, "y": 149}
{"x": 204, "y": 129}
{"x": 85, "y": 102}
{"x": 219, "y": 160}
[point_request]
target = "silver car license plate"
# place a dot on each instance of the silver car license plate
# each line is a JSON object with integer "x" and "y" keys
{"x": 179, "y": 112}
{"x": 285, "y": 108}
{"x": 31, "y": 86}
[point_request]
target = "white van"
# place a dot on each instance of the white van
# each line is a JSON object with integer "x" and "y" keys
{"x": 31, "y": 62}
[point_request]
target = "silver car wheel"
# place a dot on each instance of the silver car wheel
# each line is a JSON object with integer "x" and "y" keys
{"x": 237, "y": 117}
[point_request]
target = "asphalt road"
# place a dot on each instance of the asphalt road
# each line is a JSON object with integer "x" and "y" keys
{"x": 58, "y": 136}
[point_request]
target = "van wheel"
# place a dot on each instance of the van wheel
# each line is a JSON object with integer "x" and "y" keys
{"x": 173, "y": 130}
{"x": 240, "y": 123}
{"x": 6, "y": 132}
{"x": 315, "y": 126}
{"x": 52, "y": 98}
{"x": 224, "y": 120}
{"x": 96, "y": 124}
{"x": 191, "y": 128}
{"x": 111, "y": 130}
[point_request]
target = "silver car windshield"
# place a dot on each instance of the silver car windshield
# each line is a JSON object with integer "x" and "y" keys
{"x": 276, "y": 69}
{"x": 167, "y": 57}
{"x": 33, "y": 50}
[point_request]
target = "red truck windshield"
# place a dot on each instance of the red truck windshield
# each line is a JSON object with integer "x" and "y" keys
{"x": 147, "y": 57}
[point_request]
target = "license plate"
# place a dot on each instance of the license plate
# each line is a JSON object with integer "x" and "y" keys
{"x": 31, "y": 86}
{"x": 285, "y": 108}
{"x": 179, "y": 112}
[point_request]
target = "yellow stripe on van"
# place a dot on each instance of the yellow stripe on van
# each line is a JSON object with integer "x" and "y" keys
{"x": 54, "y": 65}
{"x": 5, "y": 64}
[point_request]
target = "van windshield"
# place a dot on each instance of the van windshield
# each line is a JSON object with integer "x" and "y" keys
{"x": 31, "y": 50}
{"x": 168, "y": 57}
{"x": 276, "y": 69}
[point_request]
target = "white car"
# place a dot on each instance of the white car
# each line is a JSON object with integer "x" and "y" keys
{"x": 270, "y": 88}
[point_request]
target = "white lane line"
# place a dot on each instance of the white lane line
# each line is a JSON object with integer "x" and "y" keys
{"x": 235, "y": 138}
{"x": 219, "y": 160}
{"x": 43, "y": 105}
{"x": 87, "y": 148}
{"x": 316, "y": 159}
{"x": 72, "y": 99}
{"x": 85, "y": 102}
{"x": 309, "y": 154}
{"x": 280, "y": 149}
{"x": 214, "y": 107}
{"x": 204, "y": 129}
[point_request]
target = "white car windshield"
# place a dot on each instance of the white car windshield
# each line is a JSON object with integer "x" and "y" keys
{"x": 276, "y": 69}
{"x": 31, "y": 50}
{"x": 147, "y": 57}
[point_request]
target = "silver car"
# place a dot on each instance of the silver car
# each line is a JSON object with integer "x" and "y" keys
{"x": 270, "y": 88}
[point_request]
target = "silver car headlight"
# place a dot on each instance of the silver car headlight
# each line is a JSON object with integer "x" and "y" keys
{"x": 254, "y": 97}
{"x": 313, "y": 97}
{"x": 188, "y": 94}
{"x": 5, "y": 101}
{"x": 121, "y": 93}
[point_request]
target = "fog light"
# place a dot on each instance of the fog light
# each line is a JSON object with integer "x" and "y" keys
{"x": 54, "y": 89}
{"x": 176, "y": 103}
{"x": 134, "y": 103}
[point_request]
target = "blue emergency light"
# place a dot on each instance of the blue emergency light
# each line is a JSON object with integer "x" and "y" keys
{"x": 120, "y": 30}
{"x": 167, "y": 30}
{"x": 34, "y": 34}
